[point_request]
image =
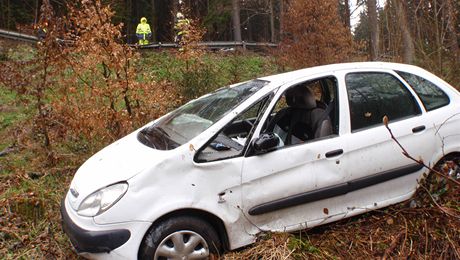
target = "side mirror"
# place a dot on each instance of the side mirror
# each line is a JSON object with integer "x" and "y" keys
{"x": 265, "y": 142}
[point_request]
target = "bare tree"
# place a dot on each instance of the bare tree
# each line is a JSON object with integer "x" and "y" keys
{"x": 344, "y": 12}
{"x": 451, "y": 23}
{"x": 408, "y": 44}
{"x": 154, "y": 20}
{"x": 37, "y": 7}
{"x": 438, "y": 32}
{"x": 281, "y": 20}
{"x": 347, "y": 13}
{"x": 272, "y": 21}
{"x": 236, "y": 20}
{"x": 374, "y": 29}
{"x": 128, "y": 20}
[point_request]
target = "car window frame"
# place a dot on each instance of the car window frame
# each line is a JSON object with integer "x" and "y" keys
{"x": 269, "y": 96}
{"x": 280, "y": 91}
{"x": 417, "y": 95}
{"x": 414, "y": 96}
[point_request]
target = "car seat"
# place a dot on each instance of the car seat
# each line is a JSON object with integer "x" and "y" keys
{"x": 304, "y": 119}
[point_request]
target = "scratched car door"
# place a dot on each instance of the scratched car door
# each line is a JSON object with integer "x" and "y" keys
{"x": 297, "y": 185}
{"x": 379, "y": 172}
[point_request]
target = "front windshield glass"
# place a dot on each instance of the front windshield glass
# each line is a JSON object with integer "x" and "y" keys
{"x": 186, "y": 122}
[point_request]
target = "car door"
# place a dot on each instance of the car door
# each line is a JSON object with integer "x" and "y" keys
{"x": 379, "y": 172}
{"x": 296, "y": 186}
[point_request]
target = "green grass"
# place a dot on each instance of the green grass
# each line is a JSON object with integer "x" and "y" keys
{"x": 302, "y": 244}
{"x": 10, "y": 111}
{"x": 31, "y": 187}
{"x": 212, "y": 71}
{"x": 22, "y": 52}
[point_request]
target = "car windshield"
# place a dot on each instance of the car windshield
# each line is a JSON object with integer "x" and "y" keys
{"x": 186, "y": 122}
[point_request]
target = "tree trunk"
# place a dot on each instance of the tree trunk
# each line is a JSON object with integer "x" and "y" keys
{"x": 236, "y": 20}
{"x": 347, "y": 14}
{"x": 408, "y": 43}
{"x": 8, "y": 14}
{"x": 451, "y": 22}
{"x": 281, "y": 20}
{"x": 37, "y": 7}
{"x": 438, "y": 36}
{"x": 129, "y": 25}
{"x": 154, "y": 23}
{"x": 272, "y": 22}
{"x": 374, "y": 29}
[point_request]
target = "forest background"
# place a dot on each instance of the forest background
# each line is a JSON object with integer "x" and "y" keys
{"x": 415, "y": 31}
{"x": 63, "y": 100}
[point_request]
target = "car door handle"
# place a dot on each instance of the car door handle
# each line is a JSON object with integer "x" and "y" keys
{"x": 334, "y": 153}
{"x": 418, "y": 129}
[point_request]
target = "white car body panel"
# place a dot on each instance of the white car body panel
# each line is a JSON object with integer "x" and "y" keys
{"x": 290, "y": 171}
{"x": 162, "y": 182}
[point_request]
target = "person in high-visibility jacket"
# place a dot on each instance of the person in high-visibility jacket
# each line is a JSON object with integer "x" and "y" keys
{"x": 143, "y": 32}
{"x": 41, "y": 31}
{"x": 181, "y": 27}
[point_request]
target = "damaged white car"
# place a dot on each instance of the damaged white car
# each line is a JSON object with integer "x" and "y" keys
{"x": 279, "y": 153}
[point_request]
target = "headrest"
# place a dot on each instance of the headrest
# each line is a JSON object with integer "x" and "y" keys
{"x": 300, "y": 97}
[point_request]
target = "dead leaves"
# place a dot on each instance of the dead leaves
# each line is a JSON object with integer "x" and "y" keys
{"x": 314, "y": 35}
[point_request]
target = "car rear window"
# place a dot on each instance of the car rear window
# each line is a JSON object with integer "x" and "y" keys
{"x": 431, "y": 95}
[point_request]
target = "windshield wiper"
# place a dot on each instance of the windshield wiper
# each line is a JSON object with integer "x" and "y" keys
{"x": 144, "y": 138}
{"x": 159, "y": 129}
{"x": 156, "y": 138}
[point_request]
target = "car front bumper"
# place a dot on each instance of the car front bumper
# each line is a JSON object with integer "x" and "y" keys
{"x": 94, "y": 241}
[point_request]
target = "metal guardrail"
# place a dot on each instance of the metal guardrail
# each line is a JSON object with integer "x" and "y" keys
{"x": 18, "y": 36}
{"x": 211, "y": 45}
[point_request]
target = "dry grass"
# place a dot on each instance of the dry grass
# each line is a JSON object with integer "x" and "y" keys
{"x": 271, "y": 246}
{"x": 427, "y": 226}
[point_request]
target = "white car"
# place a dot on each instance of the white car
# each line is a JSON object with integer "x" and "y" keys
{"x": 279, "y": 153}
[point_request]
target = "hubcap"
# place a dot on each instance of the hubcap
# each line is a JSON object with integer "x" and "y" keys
{"x": 182, "y": 245}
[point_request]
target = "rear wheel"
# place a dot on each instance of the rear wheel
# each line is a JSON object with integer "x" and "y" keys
{"x": 180, "y": 238}
{"x": 450, "y": 165}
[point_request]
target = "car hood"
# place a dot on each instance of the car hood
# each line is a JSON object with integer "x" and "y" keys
{"x": 117, "y": 162}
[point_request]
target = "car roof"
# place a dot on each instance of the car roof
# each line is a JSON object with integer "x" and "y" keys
{"x": 282, "y": 78}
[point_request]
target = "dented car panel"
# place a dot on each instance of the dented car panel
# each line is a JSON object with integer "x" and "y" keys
{"x": 322, "y": 154}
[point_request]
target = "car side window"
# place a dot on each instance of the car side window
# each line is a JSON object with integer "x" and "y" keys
{"x": 305, "y": 112}
{"x": 373, "y": 95}
{"x": 232, "y": 139}
{"x": 431, "y": 95}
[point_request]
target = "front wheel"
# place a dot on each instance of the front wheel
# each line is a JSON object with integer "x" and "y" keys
{"x": 180, "y": 238}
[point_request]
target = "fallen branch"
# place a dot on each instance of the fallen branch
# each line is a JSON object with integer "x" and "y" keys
{"x": 437, "y": 204}
{"x": 421, "y": 162}
{"x": 7, "y": 150}
{"x": 393, "y": 245}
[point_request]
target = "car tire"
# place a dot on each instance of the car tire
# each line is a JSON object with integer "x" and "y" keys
{"x": 180, "y": 237}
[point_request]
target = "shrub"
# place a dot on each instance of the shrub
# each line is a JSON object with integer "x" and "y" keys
{"x": 314, "y": 35}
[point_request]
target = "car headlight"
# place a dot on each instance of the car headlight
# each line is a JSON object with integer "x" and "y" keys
{"x": 102, "y": 200}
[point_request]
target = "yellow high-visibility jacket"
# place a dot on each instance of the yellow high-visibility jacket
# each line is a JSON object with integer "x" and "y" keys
{"x": 143, "y": 27}
{"x": 182, "y": 26}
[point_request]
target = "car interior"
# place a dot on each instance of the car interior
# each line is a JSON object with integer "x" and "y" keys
{"x": 230, "y": 142}
{"x": 373, "y": 95}
{"x": 305, "y": 112}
